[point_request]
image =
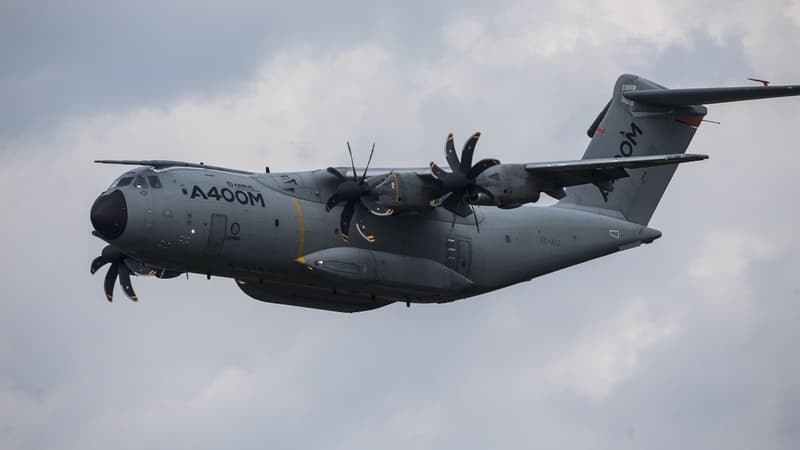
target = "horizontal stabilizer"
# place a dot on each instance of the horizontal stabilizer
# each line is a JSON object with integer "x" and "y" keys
{"x": 704, "y": 96}
{"x": 601, "y": 172}
{"x": 633, "y": 162}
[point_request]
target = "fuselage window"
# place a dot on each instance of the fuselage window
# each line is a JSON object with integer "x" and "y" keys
{"x": 154, "y": 181}
{"x": 140, "y": 183}
{"x": 124, "y": 181}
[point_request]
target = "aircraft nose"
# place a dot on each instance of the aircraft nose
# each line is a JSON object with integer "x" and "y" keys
{"x": 109, "y": 215}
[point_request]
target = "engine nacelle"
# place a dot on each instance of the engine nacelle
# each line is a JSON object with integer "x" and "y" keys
{"x": 400, "y": 192}
{"x": 511, "y": 185}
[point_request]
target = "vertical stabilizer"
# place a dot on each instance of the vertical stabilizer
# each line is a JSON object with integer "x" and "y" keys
{"x": 633, "y": 128}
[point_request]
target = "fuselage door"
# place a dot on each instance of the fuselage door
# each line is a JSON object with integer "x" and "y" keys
{"x": 216, "y": 234}
{"x": 458, "y": 255}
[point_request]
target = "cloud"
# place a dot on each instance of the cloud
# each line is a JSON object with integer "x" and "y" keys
{"x": 793, "y": 12}
{"x": 721, "y": 267}
{"x": 603, "y": 359}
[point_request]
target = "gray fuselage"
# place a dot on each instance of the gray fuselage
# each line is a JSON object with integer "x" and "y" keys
{"x": 264, "y": 230}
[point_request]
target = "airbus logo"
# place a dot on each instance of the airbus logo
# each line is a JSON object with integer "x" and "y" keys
{"x": 629, "y": 141}
{"x": 626, "y": 147}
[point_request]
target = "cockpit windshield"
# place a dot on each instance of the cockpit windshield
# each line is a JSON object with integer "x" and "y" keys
{"x": 154, "y": 181}
{"x": 140, "y": 179}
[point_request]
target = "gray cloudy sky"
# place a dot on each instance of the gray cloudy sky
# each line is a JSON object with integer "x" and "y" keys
{"x": 690, "y": 342}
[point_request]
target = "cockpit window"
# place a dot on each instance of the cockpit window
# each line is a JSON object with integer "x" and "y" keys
{"x": 140, "y": 183}
{"x": 154, "y": 181}
{"x": 124, "y": 181}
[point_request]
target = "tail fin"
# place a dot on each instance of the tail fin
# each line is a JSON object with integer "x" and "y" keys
{"x": 644, "y": 118}
{"x": 627, "y": 128}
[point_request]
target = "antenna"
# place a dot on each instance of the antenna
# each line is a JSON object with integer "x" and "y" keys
{"x": 758, "y": 80}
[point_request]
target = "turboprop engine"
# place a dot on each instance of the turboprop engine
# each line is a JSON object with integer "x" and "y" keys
{"x": 400, "y": 192}
{"x": 510, "y": 184}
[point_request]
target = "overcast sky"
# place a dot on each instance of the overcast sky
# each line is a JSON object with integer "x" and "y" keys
{"x": 689, "y": 342}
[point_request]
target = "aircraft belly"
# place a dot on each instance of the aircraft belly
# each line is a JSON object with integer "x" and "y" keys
{"x": 314, "y": 297}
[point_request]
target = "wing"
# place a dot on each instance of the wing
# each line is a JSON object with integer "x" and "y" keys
{"x": 160, "y": 164}
{"x": 600, "y": 172}
{"x": 424, "y": 172}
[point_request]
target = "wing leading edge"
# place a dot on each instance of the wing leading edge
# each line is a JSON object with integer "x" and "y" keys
{"x": 633, "y": 162}
{"x": 160, "y": 164}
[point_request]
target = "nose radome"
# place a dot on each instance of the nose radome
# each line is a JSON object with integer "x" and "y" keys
{"x": 109, "y": 215}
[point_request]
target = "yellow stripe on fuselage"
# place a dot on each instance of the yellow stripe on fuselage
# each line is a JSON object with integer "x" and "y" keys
{"x": 300, "y": 258}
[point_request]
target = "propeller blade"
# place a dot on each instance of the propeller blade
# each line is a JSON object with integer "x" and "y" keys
{"x": 333, "y": 200}
{"x": 336, "y": 173}
{"x": 482, "y": 190}
{"x": 98, "y": 262}
{"x": 481, "y": 165}
{"x": 374, "y": 207}
{"x": 467, "y": 152}
{"x": 456, "y": 205}
{"x": 439, "y": 201}
{"x": 370, "y": 202}
{"x": 111, "y": 280}
{"x": 382, "y": 212}
{"x": 437, "y": 171}
{"x": 352, "y": 163}
{"x": 125, "y": 282}
{"x": 363, "y": 177}
{"x": 344, "y": 220}
{"x": 375, "y": 181}
{"x": 365, "y": 233}
{"x": 450, "y": 154}
{"x": 138, "y": 268}
{"x": 475, "y": 215}
{"x": 111, "y": 253}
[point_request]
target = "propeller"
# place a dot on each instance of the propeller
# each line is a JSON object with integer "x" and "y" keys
{"x": 459, "y": 187}
{"x": 351, "y": 193}
{"x": 118, "y": 269}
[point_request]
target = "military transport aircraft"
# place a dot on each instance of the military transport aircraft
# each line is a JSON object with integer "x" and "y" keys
{"x": 349, "y": 239}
